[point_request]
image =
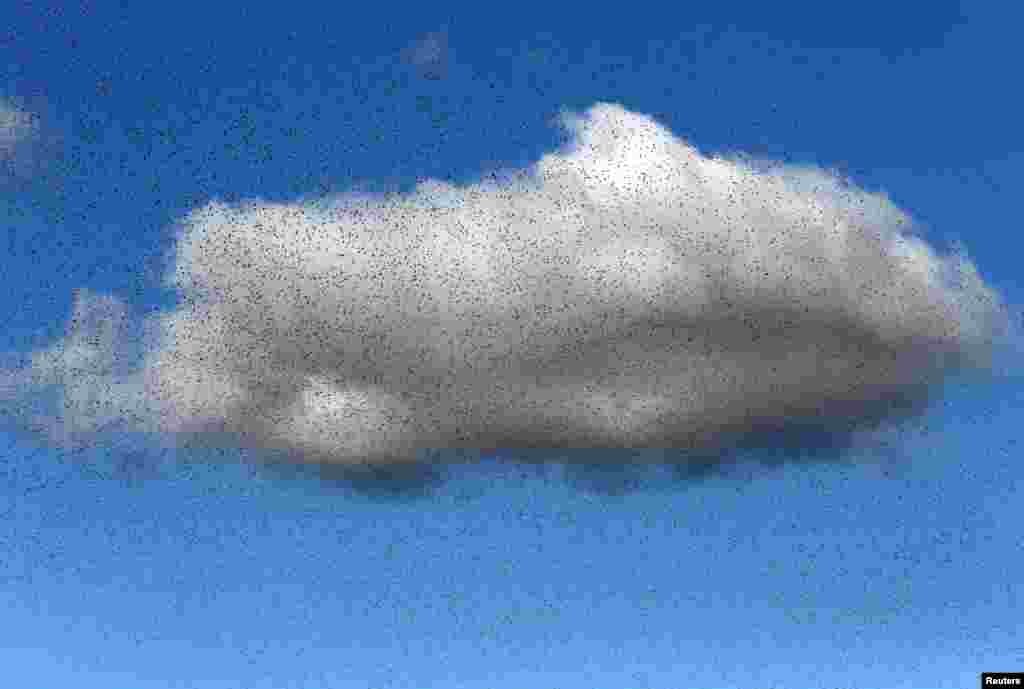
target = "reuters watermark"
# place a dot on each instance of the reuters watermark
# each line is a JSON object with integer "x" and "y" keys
{"x": 1002, "y": 679}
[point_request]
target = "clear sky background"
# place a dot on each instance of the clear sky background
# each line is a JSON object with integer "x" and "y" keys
{"x": 892, "y": 563}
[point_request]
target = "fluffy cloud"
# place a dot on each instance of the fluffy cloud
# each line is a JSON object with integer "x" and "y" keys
{"x": 626, "y": 291}
{"x": 429, "y": 54}
{"x": 17, "y": 128}
{"x": 87, "y": 384}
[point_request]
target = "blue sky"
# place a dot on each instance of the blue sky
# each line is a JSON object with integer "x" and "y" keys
{"x": 885, "y": 558}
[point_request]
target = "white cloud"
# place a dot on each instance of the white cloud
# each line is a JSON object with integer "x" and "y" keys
{"x": 16, "y": 128}
{"x": 626, "y": 291}
{"x": 429, "y": 54}
{"x": 25, "y": 143}
{"x": 94, "y": 391}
